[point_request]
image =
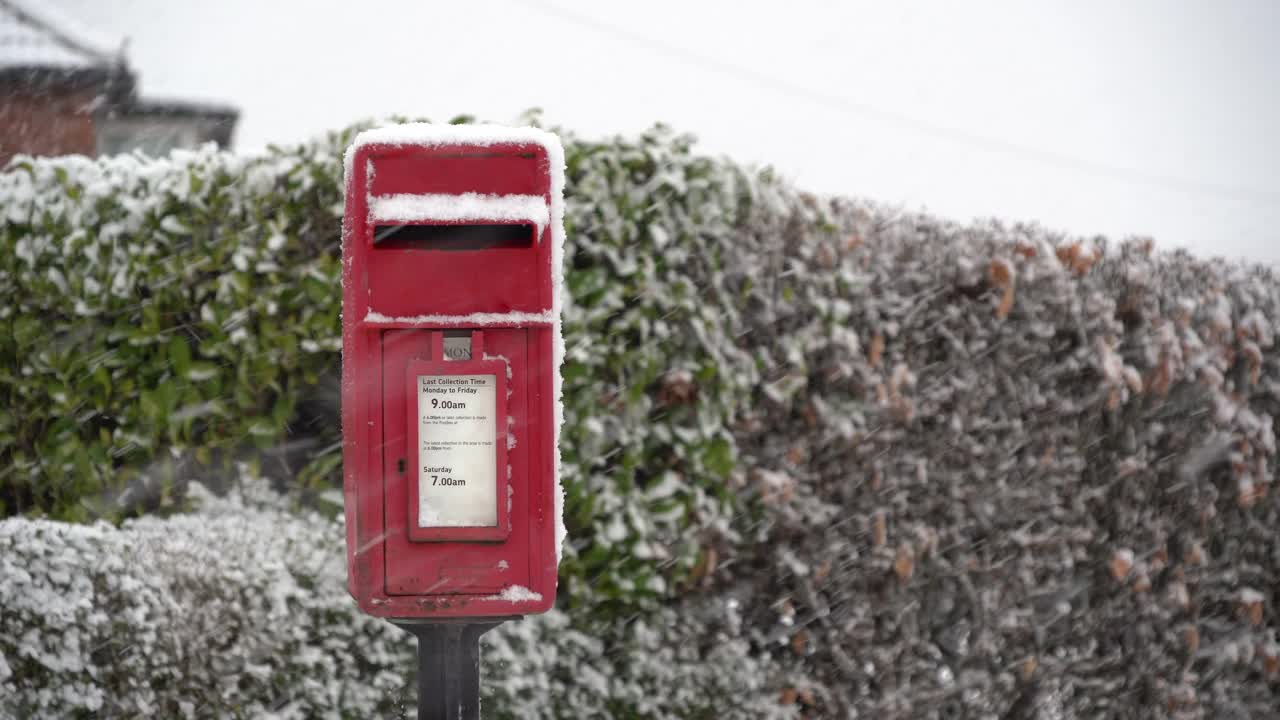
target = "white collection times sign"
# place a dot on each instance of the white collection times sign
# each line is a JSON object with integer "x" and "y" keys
{"x": 457, "y": 458}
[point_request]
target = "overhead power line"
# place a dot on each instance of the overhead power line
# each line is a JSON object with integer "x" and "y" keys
{"x": 907, "y": 122}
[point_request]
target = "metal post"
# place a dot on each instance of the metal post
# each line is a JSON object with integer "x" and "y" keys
{"x": 449, "y": 666}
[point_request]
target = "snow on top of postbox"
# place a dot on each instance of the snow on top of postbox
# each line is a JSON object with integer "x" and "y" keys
{"x": 432, "y": 134}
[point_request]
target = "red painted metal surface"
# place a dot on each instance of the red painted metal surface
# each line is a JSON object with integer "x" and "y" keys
{"x": 396, "y": 569}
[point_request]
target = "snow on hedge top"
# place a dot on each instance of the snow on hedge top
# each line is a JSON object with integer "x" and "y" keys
{"x": 469, "y": 206}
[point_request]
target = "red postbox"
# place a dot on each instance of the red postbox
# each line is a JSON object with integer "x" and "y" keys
{"x": 451, "y": 351}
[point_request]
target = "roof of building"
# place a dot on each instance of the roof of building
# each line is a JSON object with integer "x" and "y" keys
{"x": 41, "y": 49}
{"x": 170, "y": 107}
{"x": 37, "y": 35}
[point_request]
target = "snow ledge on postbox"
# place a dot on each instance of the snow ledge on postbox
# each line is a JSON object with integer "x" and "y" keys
{"x": 531, "y": 209}
{"x": 511, "y": 319}
{"x": 433, "y": 134}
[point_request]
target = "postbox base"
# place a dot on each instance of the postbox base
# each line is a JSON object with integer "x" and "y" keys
{"x": 449, "y": 665}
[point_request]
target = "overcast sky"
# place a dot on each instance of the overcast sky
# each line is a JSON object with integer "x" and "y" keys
{"x": 1151, "y": 117}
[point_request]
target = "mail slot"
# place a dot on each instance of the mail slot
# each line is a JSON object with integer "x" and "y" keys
{"x": 452, "y": 256}
{"x": 453, "y": 237}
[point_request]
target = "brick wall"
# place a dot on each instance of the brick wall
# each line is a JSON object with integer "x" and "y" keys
{"x": 46, "y": 121}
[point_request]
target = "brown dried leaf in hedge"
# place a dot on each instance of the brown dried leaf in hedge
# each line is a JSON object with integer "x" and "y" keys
{"x": 1253, "y": 355}
{"x": 1121, "y": 563}
{"x": 826, "y": 256}
{"x": 1159, "y": 559}
{"x": 1247, "y": 493}
{"x": 904, "y": 563}
{"x": 879, "y": 529}
{"x": 800, "y": 643}
{"x": 706, "y": 565}
{"x": 1191, "y": 637}
{"x": 1006, "y": 303}
{"x": 795, "y": 455}
{"x": 1001, "y": 272}
{"x": 1002, "y": 276}
{"x": 1270, "y": 654}
{"x": 676, "y": 388}
{"x": 1195, "y": 554}
{"x": 1251, "y": 605}
{"x": 875, "y": 351}
{"x": 1162, "y": 376}
{"x": 1076, "y": 257}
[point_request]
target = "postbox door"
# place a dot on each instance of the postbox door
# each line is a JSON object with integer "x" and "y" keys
{"x": 450, "y": 566}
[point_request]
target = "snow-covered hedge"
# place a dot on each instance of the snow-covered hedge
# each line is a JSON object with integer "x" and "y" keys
{"x": 240, "y": 610}
{"x": 1007, "y": 470}
{"x": 160, "y": 316}
{"x": 886, "y": 465}
{"x": 237, "y": 609}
